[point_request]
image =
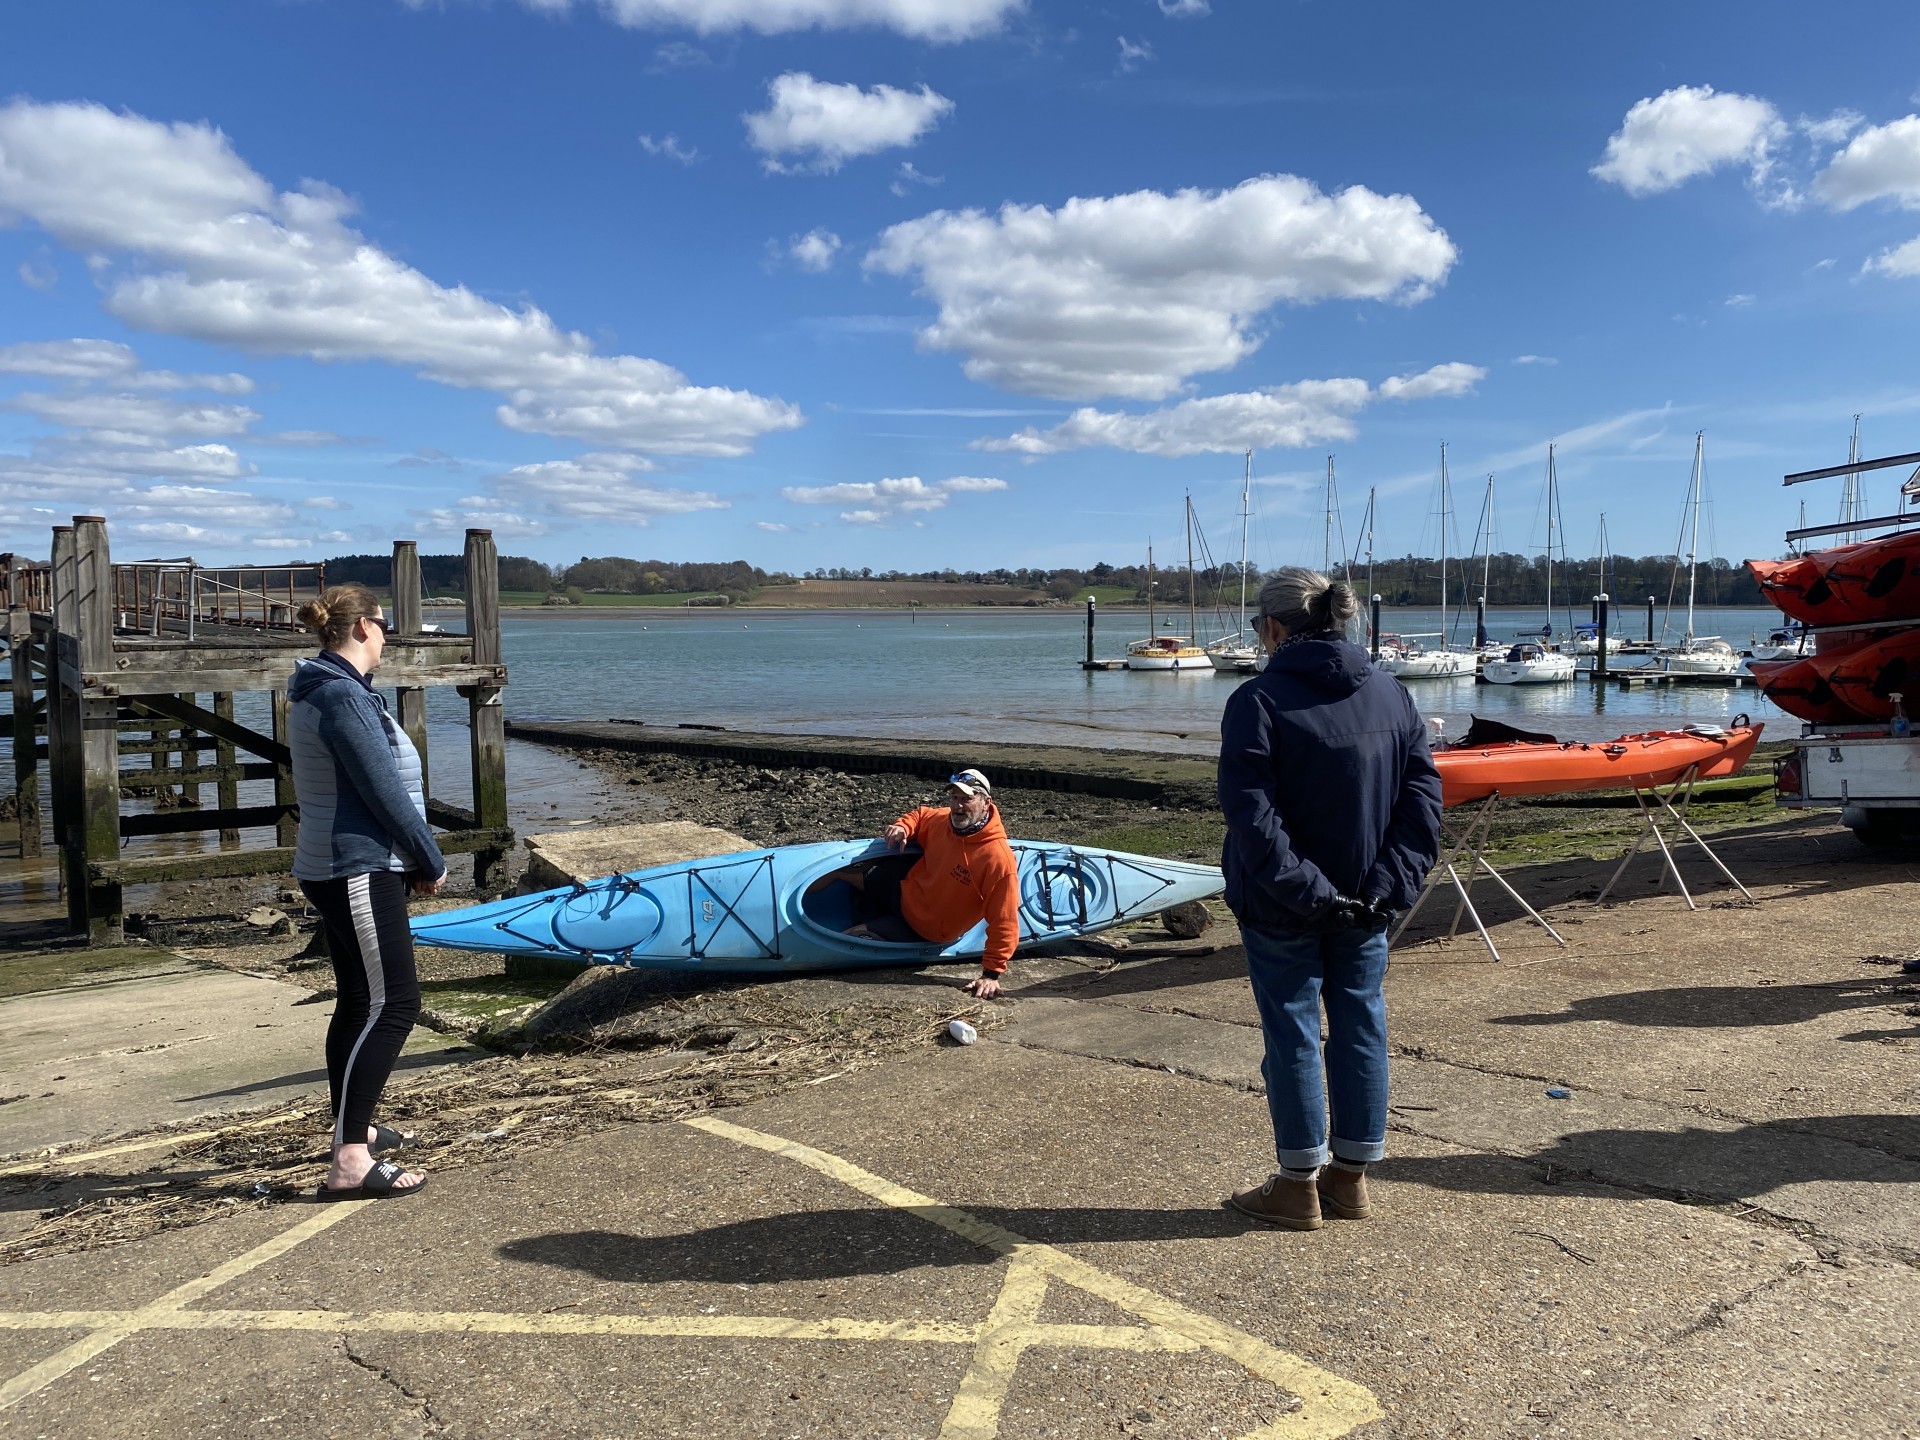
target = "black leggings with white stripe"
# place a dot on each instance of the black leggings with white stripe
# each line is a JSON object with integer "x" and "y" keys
{"x": 379, "y": 993}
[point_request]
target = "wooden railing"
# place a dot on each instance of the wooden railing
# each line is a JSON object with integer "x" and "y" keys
{"x": 171, "y": 596}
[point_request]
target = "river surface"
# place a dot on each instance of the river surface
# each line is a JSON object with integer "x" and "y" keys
{"x": 1001, "y": 675}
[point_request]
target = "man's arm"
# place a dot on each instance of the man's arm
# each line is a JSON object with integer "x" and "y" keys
{"x": 1412, "y": 842}
{"x": 1000, "y": 895}
{"x": 1246, "y": 800}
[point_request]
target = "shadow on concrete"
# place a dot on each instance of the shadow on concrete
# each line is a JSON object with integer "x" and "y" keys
{"x": 1695, "y": 1164}
{"x": 834, "y": 1244}
{"x": 308, "y": 1079}
{"x": 1731, "y": 1006}
{"x": 1143, "y": 974}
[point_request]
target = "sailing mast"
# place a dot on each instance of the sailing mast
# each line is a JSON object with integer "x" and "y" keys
{"x": 1553, "y": 503}
{"x": 1193, "y": 619}
{"x": 1853, "y": 503}
{"x": 1486, "y": 560}
{"x": 1246, "y": 506}
{"x": 1693, "y": 545}
{"x": 1446, "y": 622}
{"x": 1150, "y": 629}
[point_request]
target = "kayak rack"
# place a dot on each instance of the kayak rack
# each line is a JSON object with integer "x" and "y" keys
{"x": 1650, "y": 817}
{"x": 1470, "y": 841}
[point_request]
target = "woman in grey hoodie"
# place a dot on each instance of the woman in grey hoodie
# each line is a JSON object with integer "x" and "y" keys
{"x": 364, "y": 844}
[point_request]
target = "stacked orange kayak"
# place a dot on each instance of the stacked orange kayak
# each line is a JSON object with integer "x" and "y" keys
{"x": 1853, "y": 674}
{"x": 1551, "y": 767}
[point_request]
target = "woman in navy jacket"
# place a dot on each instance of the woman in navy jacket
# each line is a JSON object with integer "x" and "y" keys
{"x": 1332, "y": 805}
{"x": 364, "y": 844}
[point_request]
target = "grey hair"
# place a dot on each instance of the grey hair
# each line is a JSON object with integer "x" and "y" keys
{"x": 1305, "y": 600}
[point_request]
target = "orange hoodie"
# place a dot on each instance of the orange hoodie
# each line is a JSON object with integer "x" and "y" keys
{"x": 960, "y": 879}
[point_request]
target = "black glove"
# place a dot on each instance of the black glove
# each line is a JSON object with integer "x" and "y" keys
{"x": 1379, "y": 914}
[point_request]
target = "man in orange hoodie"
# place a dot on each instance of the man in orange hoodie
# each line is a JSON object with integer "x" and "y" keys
{"x": 965, "y": 873}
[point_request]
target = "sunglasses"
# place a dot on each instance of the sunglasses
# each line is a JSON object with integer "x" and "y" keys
{"x": 384, "y": 626}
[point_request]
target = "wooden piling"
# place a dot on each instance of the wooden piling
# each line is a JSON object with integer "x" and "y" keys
{"x": 406, "y": 621}
{"x": 489, "y": 721}
{"x": 226, "y": 759}
{"x": 286, "y": 828}
{"x": 21, "y": 654}
{"x": 64, "y": 765}
{"x": 98, "y": 834}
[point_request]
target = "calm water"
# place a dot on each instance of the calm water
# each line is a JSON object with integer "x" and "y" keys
{"x": 1009, "y": 676}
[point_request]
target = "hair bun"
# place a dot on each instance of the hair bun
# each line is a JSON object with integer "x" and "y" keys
{"x": 313, "y": 615}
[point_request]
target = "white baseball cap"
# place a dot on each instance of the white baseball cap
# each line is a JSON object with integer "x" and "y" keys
{"x": 971, "y": 781}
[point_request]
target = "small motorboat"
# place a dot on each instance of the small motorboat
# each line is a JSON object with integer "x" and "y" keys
{"x": 759, "y": 911}
{"x": 1786, "y": 642}
{"x": 1494, "y": 758}
{"x": 1874, "y": 581}
{"x": 1529, "y": 664}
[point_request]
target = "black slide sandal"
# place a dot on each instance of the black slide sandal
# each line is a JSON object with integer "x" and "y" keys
{"x": 378, "y": 1185}
{"x": 386, "y": 1140}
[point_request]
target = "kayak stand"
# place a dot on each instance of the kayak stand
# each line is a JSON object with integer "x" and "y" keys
{"x": 1470, "y": 841}
{"x": 1650, "y": 817}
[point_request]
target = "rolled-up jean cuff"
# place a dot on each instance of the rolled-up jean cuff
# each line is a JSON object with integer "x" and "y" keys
{"x": 1303, "y": 1159}
{"x": 1359, "y": 1152}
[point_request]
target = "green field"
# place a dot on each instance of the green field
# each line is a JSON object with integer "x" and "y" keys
{"x": 535, "y": 597}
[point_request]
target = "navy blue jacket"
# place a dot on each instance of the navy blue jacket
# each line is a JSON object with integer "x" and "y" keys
{"x": 1327, "y": 785}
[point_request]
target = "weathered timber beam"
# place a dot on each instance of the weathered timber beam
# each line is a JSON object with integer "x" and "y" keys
{"x": 452, "y": 817}
{"x": 268, "y": 860}
{"x": 179, "y": 822}
{"x": 165, "y": 779}
{"x": 174, "y": 708}
{"x": 164, "y": 747}
{"x": 264, "y": 675}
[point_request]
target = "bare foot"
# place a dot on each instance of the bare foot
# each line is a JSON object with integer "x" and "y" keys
{"x": 351, "y": 1164}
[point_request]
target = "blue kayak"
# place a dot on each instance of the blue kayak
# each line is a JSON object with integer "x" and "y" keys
{"x": 755, "y": 911}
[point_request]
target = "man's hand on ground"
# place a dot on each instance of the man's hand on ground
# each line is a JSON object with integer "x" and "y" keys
{"x": 986, "y": 987}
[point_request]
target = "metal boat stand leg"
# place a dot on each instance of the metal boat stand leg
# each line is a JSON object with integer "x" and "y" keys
{"x": 1459, "y": 840}
{"x": 1532, "y": 914}
{"x": 1680, "y": 819}
{"x": 1467, "y": 904}
{"x": 1649, "y": 826}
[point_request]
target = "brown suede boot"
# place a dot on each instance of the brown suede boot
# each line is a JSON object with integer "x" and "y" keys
{"x": 1290, "y": 1204}
{"x": 1343, "y": 1193}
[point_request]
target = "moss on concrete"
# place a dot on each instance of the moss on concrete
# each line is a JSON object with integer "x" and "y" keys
{"x": 37, "y": 971}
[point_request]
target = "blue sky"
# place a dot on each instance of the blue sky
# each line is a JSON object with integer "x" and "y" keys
{"x": 928, "y": 283}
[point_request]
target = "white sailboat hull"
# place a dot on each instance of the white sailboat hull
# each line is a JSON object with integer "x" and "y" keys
{"x": 1547, "y": 670}
{"x": 1429, "y": 665}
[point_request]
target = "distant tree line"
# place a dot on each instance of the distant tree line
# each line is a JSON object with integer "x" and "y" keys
{"x": 1510, "y": 579}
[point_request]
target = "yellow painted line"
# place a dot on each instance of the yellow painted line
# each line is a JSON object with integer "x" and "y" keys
{"x": 975, "y": 1412}
{"x": 157, "y": 1142}
{"x": 1140, "y": 1339}
{"x": 66, "y": 1361}
{"x": 1331, "y": 1406}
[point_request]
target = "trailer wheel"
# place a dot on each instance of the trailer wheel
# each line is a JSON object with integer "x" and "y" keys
{"x": 1878, "y": 829}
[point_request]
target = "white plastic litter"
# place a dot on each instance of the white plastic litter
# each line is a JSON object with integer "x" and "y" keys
{"x": 962, "y": 1032}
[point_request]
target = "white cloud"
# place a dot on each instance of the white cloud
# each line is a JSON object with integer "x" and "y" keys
{"x": 39, "y": 275}
{"x": 670, "y": 147}
{"x": 775, "y": 527}
{"x": 1133, "y": 55}
{"x": 1687, "y": 131}
{"x": 1880, "y": 163}
{"x": 197, "y": 515}
{"x": 909, "y": 176}
{"x": 325, "y": 502}
{"x": 472, "y": 514}
{"x": 69, "y": 359}
{"x": 826, "y": 124}
{"x": 601, "y": 488}
{"x": 1308, "y": 412}
{"x": 1456, "y": 377}
{"x": 142, "y": 415}
{"x": 937, "y": 20}
{"x": 1739, "y": 302}
{"x": 1535, "y": 360}
{"x": 1831, "y": 130}
{"x": 1131, "y": 294}
{"x": 1184, "y": 9}
{"x": 882, "y": 500}
{"x": 1902, "y": 262}
{"x": 219, "y": 256}
{"x": 814, "y": 250}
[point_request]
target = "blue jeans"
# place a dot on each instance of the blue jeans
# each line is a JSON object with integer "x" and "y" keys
{"x": 1294, "y": 973}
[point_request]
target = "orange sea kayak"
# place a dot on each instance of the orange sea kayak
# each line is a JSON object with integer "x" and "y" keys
{"x": 1552, "y": 767}
{"x": 1800, "y": 687}
{"x": 1873, "y": 581}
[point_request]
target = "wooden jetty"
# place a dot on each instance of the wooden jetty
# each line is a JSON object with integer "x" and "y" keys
{"x": 110, "y": 661}
{"x": 1644, "y": 679}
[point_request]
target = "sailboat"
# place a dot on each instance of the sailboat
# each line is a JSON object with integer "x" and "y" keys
{"x": 1415, "y": 661}
{"x": 1586, "y": 637}
{"x": 1698, "y": 654}
{"x": 1237, "y": 653}
{"x": 1528, "y": 663}
{"x": 1170, "y": 652}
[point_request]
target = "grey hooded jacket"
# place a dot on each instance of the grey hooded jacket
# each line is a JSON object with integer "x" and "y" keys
{"x": 357, "y": 776}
